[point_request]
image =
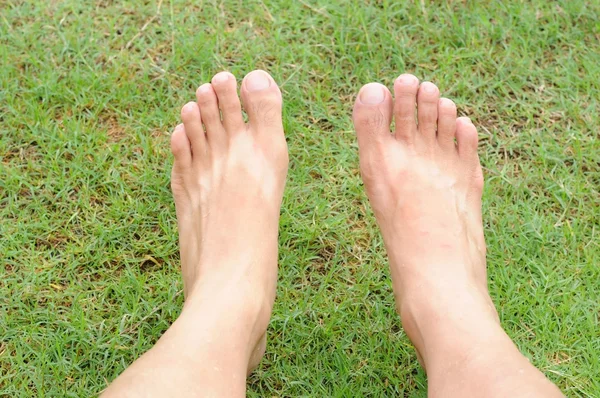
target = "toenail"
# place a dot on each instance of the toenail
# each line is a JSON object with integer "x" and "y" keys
{"x": 446, "y": 102}
{"x": 189, "y": 107}
{"x": 407, "y": 80}
{"x": 179, "y": 127}
{"x": 372, "y": 94}
{"x": 205, "y": 88}
{"x": 429, "y": 87}
{"x": 257, "y": 81}
{"x": 221, "y": 77}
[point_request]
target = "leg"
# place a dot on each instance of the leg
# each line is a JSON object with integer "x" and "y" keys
{"x": 227, "y": 181}
{"x": 425, "y": 190}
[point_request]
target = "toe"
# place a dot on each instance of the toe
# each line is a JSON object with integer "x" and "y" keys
{"x": 190, "y": 115}
{"x": 446, "y": 125}
{"x": 225, "y": 87}
{"x": 211, "y": 117}
{"x": 427, "y": 110}
{"x": 466, "y": 140}
{"x": 372, "y": 114}
{"x": 474, "y": 196}
{"x": 262, "y": 100}
{"x": 405, "y": 101}
{"x": 180, "y": 147}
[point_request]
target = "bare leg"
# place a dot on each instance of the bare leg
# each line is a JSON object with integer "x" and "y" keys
{"x": 425, "y": 190}
{"x": 227, "y": 180}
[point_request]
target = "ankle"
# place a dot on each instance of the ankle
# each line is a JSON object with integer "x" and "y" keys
{"x": 221, "y": 304}
{"x": 447, "y": 320}
{"x": 219, "y": 297}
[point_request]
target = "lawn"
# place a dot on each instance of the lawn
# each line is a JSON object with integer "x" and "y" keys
{"x": 91, "y": 89}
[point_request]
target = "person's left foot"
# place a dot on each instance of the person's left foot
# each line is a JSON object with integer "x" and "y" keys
{"x": 227, "y": 181}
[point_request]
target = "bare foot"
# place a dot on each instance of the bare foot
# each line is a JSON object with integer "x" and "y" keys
{"x": 227, "y": 181}
{"x": 424, "y": 182}
{"x": 425, "y": 190}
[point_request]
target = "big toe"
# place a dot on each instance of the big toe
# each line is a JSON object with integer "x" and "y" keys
{"x": 372, "y": 114}
{"x": 262, "y": 100}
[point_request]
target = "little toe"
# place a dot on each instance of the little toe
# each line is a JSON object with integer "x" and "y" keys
{"x": 190, "y": 115}
{"x": 225, "y": 87}
{"x": 405, "y": 102}
{"x": 466, "y": 139}
{"x": 211, "y": 116}
{"x": 446, "y": 125}
{"x": 372, "y": 115}
{"x": 262, "y": 100}
{"x": 181, "y": 149}
{"x": 427, "y": 111}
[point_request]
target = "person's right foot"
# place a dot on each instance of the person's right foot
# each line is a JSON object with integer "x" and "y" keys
{"x": 424, "y": 182}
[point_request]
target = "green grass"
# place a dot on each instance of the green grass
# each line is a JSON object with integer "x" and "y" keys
{"x": 89, "y": 91}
